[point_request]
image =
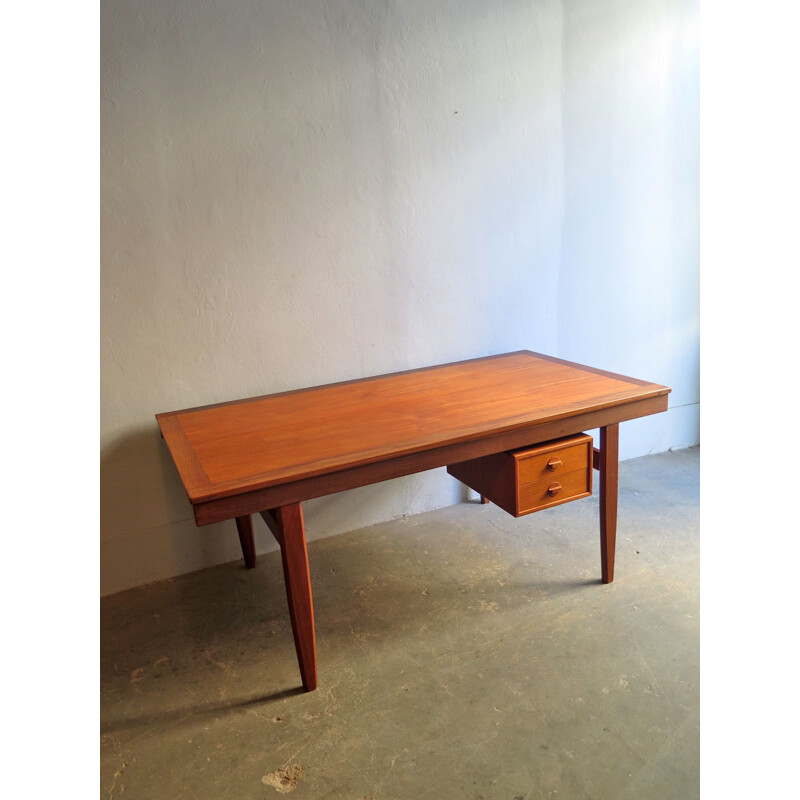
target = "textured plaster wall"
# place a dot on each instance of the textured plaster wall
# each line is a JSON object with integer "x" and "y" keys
{"x": 298, "y": 191}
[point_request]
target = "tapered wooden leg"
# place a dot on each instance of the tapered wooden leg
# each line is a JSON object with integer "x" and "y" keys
{"x": 484, "y": 500}
{"x": 298, "y": 590}
{"x": 245, "y": 527}
{"x": 609, "y": 469}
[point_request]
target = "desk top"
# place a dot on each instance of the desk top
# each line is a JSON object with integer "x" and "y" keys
{"x": 232, "y": 448}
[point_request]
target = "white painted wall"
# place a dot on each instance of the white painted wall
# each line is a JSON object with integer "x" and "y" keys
{"x": 299, "y": 191}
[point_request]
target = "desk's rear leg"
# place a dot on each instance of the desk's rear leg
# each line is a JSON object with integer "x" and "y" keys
{"x": 245, "y": 527}
{"x": 608, "y": 465}
{"x": 298, "y": 590}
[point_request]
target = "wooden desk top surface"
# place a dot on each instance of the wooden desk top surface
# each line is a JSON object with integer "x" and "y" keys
{"x": 237, "y": 447}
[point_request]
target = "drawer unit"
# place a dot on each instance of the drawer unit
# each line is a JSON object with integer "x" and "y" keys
{"x": 532, "y": 478}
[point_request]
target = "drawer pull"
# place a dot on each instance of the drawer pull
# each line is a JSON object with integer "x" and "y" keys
{"x": 553, "y": 463}
{"x": 554, "y": 488}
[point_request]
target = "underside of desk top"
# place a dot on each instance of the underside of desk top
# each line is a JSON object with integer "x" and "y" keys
{"x": 231, "y": 448}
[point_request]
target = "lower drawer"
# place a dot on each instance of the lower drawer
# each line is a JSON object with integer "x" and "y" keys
{"x": 532, "y": 478}
{"x": 535, "y": 496}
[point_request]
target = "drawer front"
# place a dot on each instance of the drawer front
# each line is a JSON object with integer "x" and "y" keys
{"x": 554, "y": 459}
{"x": 554, "y": 490}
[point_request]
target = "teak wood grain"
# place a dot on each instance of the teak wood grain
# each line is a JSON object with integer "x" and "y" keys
{"x": 339, "y": 481}
{"x": 267, "y": 454}
{"x": 241, "y": 447}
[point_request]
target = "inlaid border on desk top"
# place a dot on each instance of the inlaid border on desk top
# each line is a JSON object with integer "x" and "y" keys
{"x": 201, "y": 489}
{"x": 564, "y": 362}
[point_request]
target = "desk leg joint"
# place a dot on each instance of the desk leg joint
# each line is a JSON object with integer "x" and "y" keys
{"x": 269, "y": 516}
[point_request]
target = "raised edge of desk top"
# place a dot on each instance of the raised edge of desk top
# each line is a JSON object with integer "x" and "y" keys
{"x": 229, "y": 448}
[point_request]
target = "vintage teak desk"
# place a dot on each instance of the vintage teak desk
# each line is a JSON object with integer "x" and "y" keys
{"x": 510, "y": 426}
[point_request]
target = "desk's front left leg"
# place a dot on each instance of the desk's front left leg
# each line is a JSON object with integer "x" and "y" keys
{"x": 297, "y": 577}
{"x": 609, "y": 471}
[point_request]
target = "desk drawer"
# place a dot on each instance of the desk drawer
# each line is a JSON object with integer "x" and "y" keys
{"x": 533, "y": 478}
{"x": 551, "y": 460}
{"x": 553, "y": 491}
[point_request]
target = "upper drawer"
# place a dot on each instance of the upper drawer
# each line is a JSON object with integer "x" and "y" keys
{"x": 549, "y": 460}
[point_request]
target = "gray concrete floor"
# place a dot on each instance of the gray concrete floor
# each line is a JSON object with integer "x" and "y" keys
{"x": 462, "y": 654}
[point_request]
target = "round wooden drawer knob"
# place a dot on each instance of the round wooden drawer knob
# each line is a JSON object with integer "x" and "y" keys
{"x": 554, "y": 488}
{"x": 553, "y": 463}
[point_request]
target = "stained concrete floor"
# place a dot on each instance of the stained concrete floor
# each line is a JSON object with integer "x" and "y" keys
{"x": 462, "y": 654}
